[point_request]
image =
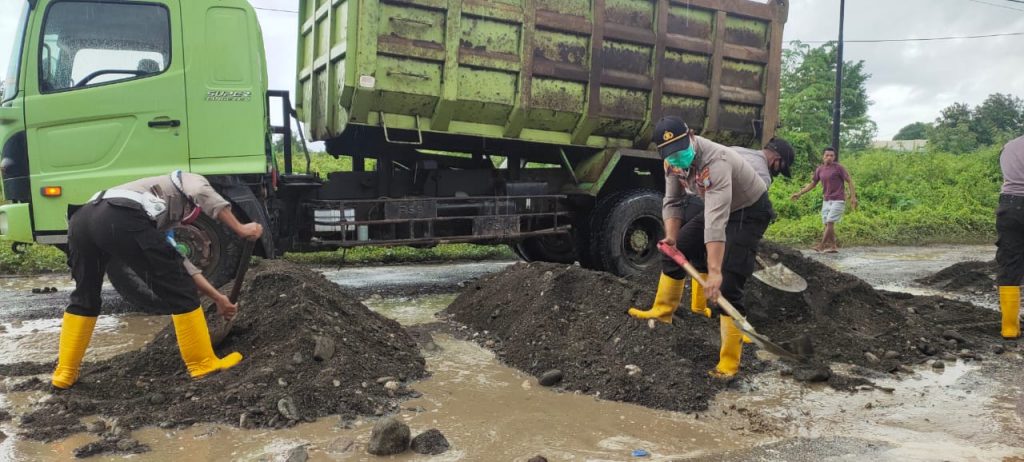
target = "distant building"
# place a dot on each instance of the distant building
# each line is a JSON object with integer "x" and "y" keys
{"x": 900, "y": 145}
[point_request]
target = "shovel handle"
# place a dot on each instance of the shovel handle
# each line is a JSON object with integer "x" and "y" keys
{"x": 760, "y": 261}
{"x": 243, "y": 266}
{"x": 679, "y": 258}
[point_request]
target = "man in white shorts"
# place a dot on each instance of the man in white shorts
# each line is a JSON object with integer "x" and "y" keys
{"x": 833, "y": 178}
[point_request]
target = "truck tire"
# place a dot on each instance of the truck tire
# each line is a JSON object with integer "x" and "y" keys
{"x": 556, "y": 248}
{"x": 590, "y": 252}
{"x": 625, "y": 229}
{"x": 211, "y": 247}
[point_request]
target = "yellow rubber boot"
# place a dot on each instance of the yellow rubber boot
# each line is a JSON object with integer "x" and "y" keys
{"x": 1009, "y": 304}
{"x": 732, "y": 349}
{"x": 698, "y": 302}
{"x": 195, "y": 346}
{"x": 75, "y": 333}
{"x": 670, "y": 291}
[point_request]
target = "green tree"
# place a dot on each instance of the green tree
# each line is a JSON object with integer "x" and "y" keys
{"x": 955, "y": 130}
{"x": 914, "y": 131}
{"x": 808, "y": 89}
{"x": 998, "y": 119}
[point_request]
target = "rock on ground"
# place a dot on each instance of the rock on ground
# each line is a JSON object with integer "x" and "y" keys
{"x": 389, "y": 436}
{"x": 110, "y": 446}
{"x": 430, "y": 442}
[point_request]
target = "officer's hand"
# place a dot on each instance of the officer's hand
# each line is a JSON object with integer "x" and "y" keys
{"x": 853, "y": 203}
{"x": 225, "y": 308}
{"x": 713, "y": 286}
{"x": 250, "y": 231}
{"x": 669, "y": 241}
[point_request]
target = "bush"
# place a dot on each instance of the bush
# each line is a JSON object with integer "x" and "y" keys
{"x": 36, "y": 259}
{"x": 905, "y": 198}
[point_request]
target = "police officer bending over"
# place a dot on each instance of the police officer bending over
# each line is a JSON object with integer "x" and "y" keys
{"x": 129, "y": 222}
{"x": 722, "y": 240}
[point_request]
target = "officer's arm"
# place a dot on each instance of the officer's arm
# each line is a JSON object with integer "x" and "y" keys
{"x": 224, "y": 306}
{"x": 248, "y": 231}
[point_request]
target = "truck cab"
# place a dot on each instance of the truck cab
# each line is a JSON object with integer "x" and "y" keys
{"x": 100, "y": 93}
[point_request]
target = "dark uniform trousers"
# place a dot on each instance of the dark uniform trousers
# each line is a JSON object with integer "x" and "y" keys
{"x": 117, "y": 228}
{"x": 743, "y": 232}
{"x": 1010, "y": 243}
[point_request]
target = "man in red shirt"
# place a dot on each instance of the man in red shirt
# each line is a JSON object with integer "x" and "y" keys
{"x": 833, "y": 178}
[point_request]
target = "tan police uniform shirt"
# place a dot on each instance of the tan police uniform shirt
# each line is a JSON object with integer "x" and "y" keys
{"x": 722, "y": 178}
{"x": 196, "y": 186}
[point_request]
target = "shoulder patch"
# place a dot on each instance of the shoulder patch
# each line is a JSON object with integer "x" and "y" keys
{"x": 703, "y": 180}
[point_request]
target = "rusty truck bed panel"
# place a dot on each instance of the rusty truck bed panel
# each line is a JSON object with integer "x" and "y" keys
{"x": 568, "y": 72}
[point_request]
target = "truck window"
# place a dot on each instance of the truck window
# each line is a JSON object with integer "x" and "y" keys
{"x": 94, "y": 43}
{"x": 9, "y": 89}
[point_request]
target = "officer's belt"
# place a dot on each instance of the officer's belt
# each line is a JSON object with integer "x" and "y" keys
{"x": 152, "y": 205}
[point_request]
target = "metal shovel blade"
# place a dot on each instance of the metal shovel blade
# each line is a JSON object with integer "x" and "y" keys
{"x": 779, "y": 277}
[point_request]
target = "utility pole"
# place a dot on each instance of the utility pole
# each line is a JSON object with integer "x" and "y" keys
{"x": 837, "y": 101}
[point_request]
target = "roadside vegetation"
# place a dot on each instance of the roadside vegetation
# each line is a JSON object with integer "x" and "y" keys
{"x": 368, "y": 255}
{"x": 906, "y": 198}
{"x": 36, "y": 259}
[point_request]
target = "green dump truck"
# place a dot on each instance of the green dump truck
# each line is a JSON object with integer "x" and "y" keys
{"x": 524, "y": 122}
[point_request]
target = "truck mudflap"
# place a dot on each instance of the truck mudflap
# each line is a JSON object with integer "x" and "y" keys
{"x": 428, "y": 221}
{"x": 16, "y": 223}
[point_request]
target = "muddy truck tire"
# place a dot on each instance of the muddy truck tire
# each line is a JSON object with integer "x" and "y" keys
{"x": 209, "y": 245}
{"x": 558, "y": 248}
{"x": 625, "y": 228}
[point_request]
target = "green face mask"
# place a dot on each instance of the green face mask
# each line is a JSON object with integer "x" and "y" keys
{"x": 682, "y": 159}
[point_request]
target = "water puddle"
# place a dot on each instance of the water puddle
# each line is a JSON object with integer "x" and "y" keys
{"x": 409, "y": 311}
{"x": 411, "y": 275}
{"x": 36, "y": 340}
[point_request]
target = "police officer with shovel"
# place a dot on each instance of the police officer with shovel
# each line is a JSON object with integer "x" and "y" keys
{"x": 129, "y": 222}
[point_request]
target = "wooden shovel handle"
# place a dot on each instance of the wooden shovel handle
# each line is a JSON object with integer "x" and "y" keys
{"x": 243, "y": 266}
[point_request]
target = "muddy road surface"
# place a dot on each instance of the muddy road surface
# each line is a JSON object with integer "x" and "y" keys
{"x": 488, "y": 411}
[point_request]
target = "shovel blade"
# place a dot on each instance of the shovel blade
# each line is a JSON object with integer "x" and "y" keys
{"x": 220, "y": 330}
{"x": 772, "y": 347}
{"x": 782, "y": 278}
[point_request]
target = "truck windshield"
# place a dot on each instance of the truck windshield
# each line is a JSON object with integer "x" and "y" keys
{"x": 10, "y": 84}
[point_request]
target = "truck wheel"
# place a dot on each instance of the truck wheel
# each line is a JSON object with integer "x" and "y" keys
{"x": 590, "y": 250}
{"x": 208, "y": 244}
{"x": 625, "y": 230}
{"x": 556, "y": 248}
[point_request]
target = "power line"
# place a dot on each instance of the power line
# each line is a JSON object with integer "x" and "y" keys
{"x": 923, "y": 39}
{"x": 996, "y": 5}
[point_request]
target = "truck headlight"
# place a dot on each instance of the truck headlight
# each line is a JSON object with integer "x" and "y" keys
{"x": 3, "y": 224}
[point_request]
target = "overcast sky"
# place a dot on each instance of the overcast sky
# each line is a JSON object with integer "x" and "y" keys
{"x": 910, "y": 81}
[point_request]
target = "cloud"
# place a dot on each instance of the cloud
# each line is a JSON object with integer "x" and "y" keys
{"x": 912, "y": 81}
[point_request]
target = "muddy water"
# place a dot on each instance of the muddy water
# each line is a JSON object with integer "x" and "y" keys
{"x": 36, "y": 340}
{"x": 491, "y": 412}
{"x": 894, "y": 268}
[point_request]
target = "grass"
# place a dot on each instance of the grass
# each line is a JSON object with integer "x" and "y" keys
{"x": 36, "y": 259}
{"x": 403, "y": 254}
{"x": 905, "y": 199}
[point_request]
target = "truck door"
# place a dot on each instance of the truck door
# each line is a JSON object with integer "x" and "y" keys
{"x": 105, "y": 100}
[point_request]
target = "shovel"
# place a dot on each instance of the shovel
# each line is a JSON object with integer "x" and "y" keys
{"x": 220, "y": 331}
{"x": 737, "y": 318}
{"x": 779, "y": 277}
